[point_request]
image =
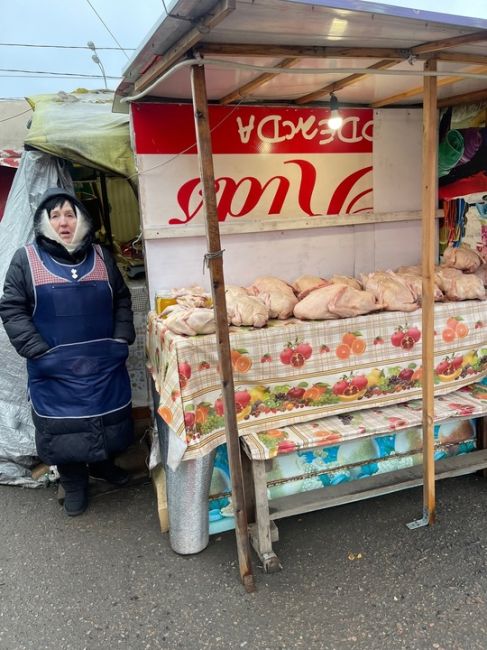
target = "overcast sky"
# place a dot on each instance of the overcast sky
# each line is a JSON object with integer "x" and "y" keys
{"x": 69, "y": 23}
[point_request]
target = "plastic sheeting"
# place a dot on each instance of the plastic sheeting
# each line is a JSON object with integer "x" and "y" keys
{"x": 81, "y": 128}
{"x": 37, "y": 172}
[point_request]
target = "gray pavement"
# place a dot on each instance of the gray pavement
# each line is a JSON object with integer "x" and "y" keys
{"x": 108, "y": 579}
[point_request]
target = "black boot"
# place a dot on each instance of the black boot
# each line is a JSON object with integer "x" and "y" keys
{"x": 106, "y": 470}
{"x": 74, "y": 479}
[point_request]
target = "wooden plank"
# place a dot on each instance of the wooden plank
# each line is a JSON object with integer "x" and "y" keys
{"x": 299, "y": 51}
{"x": 215, "y": 263}
{"x": 445, "y": 43}
{"x": 462, "y": 57}
{"x": 465, "y": 98}
{"x": 343, "y": 83}
{"x": 158, "y": 476}
{"x": 374, "y": 486}
{"x": 328, "y": 221}
{"x": 418, "y": 90}
{"x": 213, "y": 18}
{"x": 429, "y": 200}
{"x": 262, "y": 79}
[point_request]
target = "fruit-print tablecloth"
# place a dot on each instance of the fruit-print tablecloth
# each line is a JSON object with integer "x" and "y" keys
{"x": 297, "y": 371}
{"x": 468, "y": 402}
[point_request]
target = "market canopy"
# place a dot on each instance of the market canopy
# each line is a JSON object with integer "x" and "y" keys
{"x": 80, "y": 127}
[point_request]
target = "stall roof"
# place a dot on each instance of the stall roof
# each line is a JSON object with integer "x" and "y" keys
{"x": 328, "y": 46}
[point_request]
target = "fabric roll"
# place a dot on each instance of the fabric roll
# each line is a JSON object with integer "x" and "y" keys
{"x": 450, "y": 151}
{"x": 472, "y": 139}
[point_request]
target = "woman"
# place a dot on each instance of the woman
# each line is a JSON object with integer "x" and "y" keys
{"x": 67, "y": 310}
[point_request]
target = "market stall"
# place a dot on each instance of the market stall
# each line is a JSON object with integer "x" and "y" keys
{"x": 295, "y": 196}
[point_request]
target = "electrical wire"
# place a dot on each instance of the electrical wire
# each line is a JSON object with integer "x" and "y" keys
{"x": 56, "y": 74}
{"x": 180, "y": 153}
{"x": 66, "y": 47}
{"x": 108, "y": 29}
{"x": 6, "y": 119}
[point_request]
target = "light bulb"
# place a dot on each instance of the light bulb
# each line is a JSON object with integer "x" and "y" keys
{"x": 335, "y": 120}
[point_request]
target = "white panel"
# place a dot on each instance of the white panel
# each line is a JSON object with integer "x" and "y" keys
{"x": 397, "y": 159}
{"x": 288, "y": 254}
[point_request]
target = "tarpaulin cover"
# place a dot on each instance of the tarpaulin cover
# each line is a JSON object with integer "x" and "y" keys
{"x": 80, "y": 127}
{"x": 37, "y": 172}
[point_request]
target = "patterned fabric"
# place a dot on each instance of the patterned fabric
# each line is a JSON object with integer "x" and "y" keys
{"x": 294, "y": 371}
{"x": 41, "y": 275}
{"x": 470, "y": 401}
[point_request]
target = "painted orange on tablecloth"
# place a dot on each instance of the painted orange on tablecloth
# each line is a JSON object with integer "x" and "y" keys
{"x": 358, "y": 346}
{"x": 462, "y": 330}
{"x": 343, "y": 351}
{"x": 165, "y": 413}
{"x": 448, "y": 335}
{"x": 348, "y": 339}
{"x": 242, "y": 364}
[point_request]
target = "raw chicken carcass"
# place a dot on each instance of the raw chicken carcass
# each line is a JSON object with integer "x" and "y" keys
{"x": 243, "y": 309}
{"x": 460, "y": 286}
{"x": 190, "y": 321}
{"x": 481, "y": 272}
{"x": 306, "y": 283}
{"x": 415, "y": 284}
{"x": 277, "y": 295}
{"x": 335, "y": 301}
{"x": 390, "y": 290}
{"x": 346, "y": 279}
{"x": 462, "y": 258}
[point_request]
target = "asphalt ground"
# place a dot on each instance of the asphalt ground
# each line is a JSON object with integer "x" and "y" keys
{"x": 354, "y": 577}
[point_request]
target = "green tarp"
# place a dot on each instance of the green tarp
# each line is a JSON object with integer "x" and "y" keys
{"x": 81, "y": 128}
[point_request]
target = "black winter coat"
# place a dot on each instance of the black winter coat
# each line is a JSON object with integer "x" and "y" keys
{"x": 79, "y": 439}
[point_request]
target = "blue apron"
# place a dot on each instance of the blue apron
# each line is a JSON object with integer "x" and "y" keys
{"x": 84, "y": 372}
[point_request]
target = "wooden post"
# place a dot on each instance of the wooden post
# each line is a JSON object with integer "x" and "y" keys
{"x": 429, "y": 200}
{"x": 215, "y": 263}
{"x": 430, "y": 166}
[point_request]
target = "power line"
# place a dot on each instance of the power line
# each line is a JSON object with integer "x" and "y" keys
{"x": 66, "y": 47}
{"x": 6, "y": 119}
{"x": 108, "y": 29}
{"x": 57, "y": 74}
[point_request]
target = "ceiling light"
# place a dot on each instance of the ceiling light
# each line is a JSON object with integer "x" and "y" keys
{"x": 335, "y": 120}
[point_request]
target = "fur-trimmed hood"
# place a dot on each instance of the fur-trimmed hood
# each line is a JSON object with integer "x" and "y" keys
{"x": 47, "y": 237}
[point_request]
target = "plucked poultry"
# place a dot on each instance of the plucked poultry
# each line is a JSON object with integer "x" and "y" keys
{"x": 306, "y": 283}
{"x": 335, "y": 301}
{"x": 414, "y": 281}
{"x": 346, "y": 279}
{"x": 277, "y": 295}
{"x": 243, "y": 309}
{"x": 189, "y": 321}
{"x": 460, "y": 286}
{"x": 390, "y": 290}
{"x": 462, "y": 258}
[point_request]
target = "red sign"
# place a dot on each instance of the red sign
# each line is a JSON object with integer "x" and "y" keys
{"x": 169, "y": 129}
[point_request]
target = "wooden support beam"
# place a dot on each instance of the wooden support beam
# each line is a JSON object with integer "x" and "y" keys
{"x": 418, "y": 90}
{"x": 446, "y": 43}
{"x": 343, "y": 83}
{"x": 215, "y": 263}
{"x": 466, "y": 98}
{"x": 429, "y": 199}
{"x": 298, "y": 51}
{"x": 462, "y": 57}
{"x": 262, "y": 79}
{"x": 221, "y": 11}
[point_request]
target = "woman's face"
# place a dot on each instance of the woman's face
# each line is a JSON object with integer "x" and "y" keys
{"x": 63, "y": 220}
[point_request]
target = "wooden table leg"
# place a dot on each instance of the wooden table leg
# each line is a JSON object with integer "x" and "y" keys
{"x": 261, "y": 532}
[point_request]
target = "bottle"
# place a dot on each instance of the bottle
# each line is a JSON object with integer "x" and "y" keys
{"x": 164, "y": 298}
